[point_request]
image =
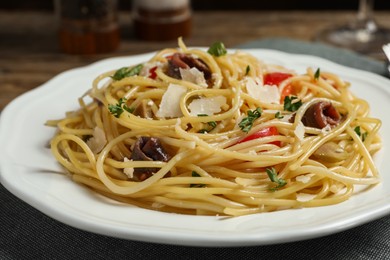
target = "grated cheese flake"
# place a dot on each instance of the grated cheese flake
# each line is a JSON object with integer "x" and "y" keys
{"x": 304, "y": 178}
{"x": 206, "y": 105}
{"x": 128, "y": 171}
{"x": 300, "y": 131}
{"x": 268, "y": 94}
{"x": 303, "y": 197}
{"x": 326, "y": 129}
{"x": 193, "y": 75}
{"x": 170, "y": 102}
{"x": 244, "y": 181}
{"x": 97, "y": 141}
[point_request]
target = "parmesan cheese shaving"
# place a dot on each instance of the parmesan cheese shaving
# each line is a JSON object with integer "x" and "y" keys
{"x": 206, "y": 106}
{"x": 245, "y": 182}
{"x": 300, "y": 131}
{"x": 303, "y": 197}
{"x": 193, "y": 75}
{"x": 128, "y": 171}
{"x": 304, "y": 178}
{"x": 264, "y": 93}
{"x": 286, "y": 118}
{"x": 326, "y": 129}
{"x": 170, "y": 102}
{"x": 97, "y": 141}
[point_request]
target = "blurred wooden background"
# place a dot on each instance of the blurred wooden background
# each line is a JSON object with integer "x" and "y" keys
{"x": 221, "y": 5}
{"x": 29, "y": 45}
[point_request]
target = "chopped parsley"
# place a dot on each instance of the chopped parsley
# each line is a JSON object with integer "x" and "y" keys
{"x": 127, "y": 72}
{"x": 197, "y": 185}
{"x": 212, "y": 124}
{"x": 360, "y": 134}
{"x": 317, "y": 74}
{"x": 273, "y": 176}
{"x": 247, "y": 70}
{"x": 278, "y": 115}
{"x": 217, "y": 49}
{"x": 290, "y": 104}
{"x": 247, "y": 122}
{"x": 118, "y": 108}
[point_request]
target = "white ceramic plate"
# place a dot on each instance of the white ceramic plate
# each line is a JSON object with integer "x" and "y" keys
{"x": 30, "y": 172}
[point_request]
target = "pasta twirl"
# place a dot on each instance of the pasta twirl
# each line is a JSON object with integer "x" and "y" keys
{"x": 215, "y": 132}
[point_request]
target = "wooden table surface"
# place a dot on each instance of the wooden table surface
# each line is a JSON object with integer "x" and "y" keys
{"x": 30, "y": 55}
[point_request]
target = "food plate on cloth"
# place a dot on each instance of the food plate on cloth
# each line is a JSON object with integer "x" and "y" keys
{"x": 29, "y": 170}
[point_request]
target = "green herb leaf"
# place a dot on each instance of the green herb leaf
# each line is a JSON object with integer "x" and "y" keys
{"x": 117, "y": 109}
{"x": 128, "y": 109}
{"x": 317, "y": 74}
{"x": 290, "y": 104}
{"x": 278, "y": 115}
{"x": 127, "y": 72}
{"x": 358, "y": 131}
{"x": 248, "y": 68}
{"x": 273, "y": 176}
{"x": 217, "y": 49}
{"x": 247, "y": 122}
{"x": 200, "y": 185}
{"x": 212, "y": 124}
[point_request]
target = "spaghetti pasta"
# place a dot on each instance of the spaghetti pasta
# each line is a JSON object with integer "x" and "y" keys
{"x": 216, "y": 132}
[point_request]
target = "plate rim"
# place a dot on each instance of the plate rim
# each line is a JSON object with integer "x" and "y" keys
{"x": 183, "y": 239}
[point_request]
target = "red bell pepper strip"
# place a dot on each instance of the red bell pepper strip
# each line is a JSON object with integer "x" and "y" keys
{"x": 288, "y": 90}
{"x": 275, "y": 78}
{"x": 268, "y": 131}
{"x": 152, "y": 73}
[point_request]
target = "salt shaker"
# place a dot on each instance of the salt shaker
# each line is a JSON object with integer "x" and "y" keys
{"x": 161, "y": 20}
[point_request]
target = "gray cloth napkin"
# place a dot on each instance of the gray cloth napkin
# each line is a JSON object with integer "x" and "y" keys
{"x": 26, "y": 233}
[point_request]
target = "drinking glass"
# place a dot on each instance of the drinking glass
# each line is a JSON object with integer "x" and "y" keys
{"x": 363, "y": 34}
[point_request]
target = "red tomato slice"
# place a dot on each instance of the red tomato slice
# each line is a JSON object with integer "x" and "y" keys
{"x": 287, "y": 91}
{"x": 269, "y": 131}
{"x": 275, "y": 78}
{"x": 152, "y": 73}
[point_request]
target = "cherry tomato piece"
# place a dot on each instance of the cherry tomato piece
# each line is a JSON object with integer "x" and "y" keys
{"x": 269, "y": 131}
{"x": 287, "y": 91}
{"x": 152, "y": 73}
{"x": 275, "y": 78}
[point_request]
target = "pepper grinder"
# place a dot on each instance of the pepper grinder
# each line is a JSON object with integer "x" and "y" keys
{"x": 161, "y": 20}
